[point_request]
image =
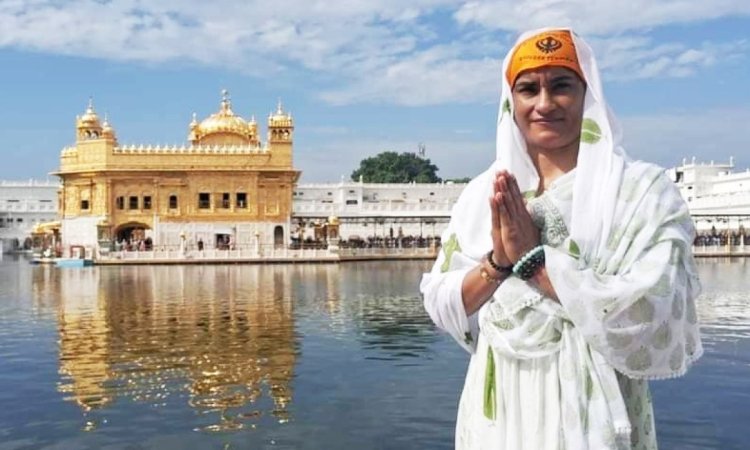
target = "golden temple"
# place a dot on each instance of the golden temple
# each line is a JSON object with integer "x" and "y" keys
{"x": 224, "y": 188}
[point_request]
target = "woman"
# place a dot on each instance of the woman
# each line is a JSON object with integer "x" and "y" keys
{"x": 575, "y": 282}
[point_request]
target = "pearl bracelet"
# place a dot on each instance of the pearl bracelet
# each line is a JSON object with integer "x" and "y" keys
{"x": 529, "y": 263}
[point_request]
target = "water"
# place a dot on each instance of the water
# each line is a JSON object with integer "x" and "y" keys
{"x": 289, "y": 357}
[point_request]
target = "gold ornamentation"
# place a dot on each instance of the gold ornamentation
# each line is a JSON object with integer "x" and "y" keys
{"x": 487, "y": 277}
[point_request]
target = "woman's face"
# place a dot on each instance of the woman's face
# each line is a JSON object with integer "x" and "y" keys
{"x": 548, "y": 105}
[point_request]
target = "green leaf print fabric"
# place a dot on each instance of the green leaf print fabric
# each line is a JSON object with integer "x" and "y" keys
{"x": 631, "y": 299}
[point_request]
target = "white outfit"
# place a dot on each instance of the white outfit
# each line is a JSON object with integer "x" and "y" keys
{"x": 617, "y": 236}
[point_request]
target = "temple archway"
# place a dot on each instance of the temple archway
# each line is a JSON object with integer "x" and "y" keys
{"x": 278, "y": 236}
{"x": 131, "y": 234}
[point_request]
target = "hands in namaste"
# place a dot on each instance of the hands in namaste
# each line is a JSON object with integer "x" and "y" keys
{"x": 513, "y": 231}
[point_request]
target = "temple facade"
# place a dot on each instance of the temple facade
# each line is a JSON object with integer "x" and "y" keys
{"x": 224, "y": 188}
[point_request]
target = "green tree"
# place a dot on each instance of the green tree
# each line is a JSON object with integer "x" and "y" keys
{"x": 392, "y": 167}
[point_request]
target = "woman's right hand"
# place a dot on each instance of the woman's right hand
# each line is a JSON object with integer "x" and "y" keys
{"x": 499, "y": 256}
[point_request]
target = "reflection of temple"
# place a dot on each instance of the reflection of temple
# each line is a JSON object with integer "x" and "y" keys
{"x": 225, "y": 188}
{"x": 221, "y": 335}
{"x": 85, "y": 357}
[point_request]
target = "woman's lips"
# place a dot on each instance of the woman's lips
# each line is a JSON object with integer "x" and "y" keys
{"x": 547, "y": 122}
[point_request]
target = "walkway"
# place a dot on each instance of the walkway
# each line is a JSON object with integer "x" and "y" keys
{"x": 267, "y": 256}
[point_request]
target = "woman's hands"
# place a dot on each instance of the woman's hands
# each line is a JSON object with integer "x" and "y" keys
{"x": 513, "y": 231}
{"x": 513, "y": 234}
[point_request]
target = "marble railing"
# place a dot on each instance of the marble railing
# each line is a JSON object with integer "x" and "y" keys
{"x": 29, "y": 183}
{"x": 381, "y": 208}
{"x": 182, "y": 150}
{"x": 265, "y": 253}
{"x": 721, "y": 204}
{"x": 191, "y": 149}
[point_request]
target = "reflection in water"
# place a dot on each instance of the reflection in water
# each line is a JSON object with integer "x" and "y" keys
{"x": 158, "y": 351}
{"x": 398, "y": 326}
{"x": 389, "y": 325}
{"x": 222, "y": 336}
{"x": 723, "y": 307}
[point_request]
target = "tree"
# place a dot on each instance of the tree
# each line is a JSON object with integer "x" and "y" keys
{"x": 392, "y": 167}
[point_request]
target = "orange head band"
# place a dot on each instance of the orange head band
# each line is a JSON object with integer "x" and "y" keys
{"x": 551, "y": 48}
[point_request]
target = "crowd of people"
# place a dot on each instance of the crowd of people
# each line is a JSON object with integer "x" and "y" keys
{"x": 722, "y": 238}
{"x": 408, "y": 241}
{"x": 134, "y": 245}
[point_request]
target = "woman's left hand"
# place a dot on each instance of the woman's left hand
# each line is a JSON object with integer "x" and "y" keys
{"x": 519, "y": 233}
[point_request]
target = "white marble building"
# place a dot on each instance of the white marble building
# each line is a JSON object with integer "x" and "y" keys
{"x": 371, "y": 209}
{"x": 23, "y": 204}
{"x": 716, "y": 195}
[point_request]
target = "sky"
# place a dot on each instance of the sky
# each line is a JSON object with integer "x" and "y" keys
{"x": 362, "y": 76}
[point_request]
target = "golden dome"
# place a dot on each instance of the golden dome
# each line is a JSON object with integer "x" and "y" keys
{"x": 107, "y": 129}
{"x": 280, "y": 117}
{"x": 222, "y": 122}
{"x": 89, "y": 118}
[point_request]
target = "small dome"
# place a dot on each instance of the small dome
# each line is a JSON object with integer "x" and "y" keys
{"x": 280, "y": 117}
{"x": 89, "y": 118}
{"x": 333, "y": 220}
{"x": 107, "y": 129}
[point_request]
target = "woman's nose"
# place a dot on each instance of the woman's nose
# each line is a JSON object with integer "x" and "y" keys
{"x": 545, "y": 102}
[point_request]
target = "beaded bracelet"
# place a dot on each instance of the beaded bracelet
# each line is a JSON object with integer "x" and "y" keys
{"x": 529, "y": 263}
{"x": 504, "y": 270}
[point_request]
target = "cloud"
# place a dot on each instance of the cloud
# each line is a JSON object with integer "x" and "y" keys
{"x": 438, "y": 76}
{"x": 354, "y": 51}
{"x": 594, "y": 17}
{"x": 639, "y": 57}
{"x": 425, "y": 79}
